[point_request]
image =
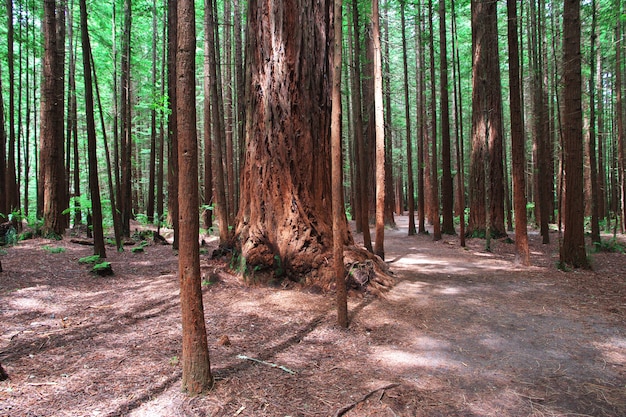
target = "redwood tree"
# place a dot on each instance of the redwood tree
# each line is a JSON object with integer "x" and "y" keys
{"x": 517, "y": 139}
{"x": 486, "y": 125}
{"x": 94, "y": 188}
{"x": 195, "y": 358}
{"x": 52, "y": 169}
{"x": 284, "y": 221}
{"x": 573, "y": 251}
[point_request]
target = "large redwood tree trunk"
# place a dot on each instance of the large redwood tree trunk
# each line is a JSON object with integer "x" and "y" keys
{"x": 284, "y": 221}
{"x": 52, "y": 169}
{"x": 487, "y": 131}
{"x": 573, "y": 251}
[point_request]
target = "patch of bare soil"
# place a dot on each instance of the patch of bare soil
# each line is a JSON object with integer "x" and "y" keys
{"x": 464, "y": 332}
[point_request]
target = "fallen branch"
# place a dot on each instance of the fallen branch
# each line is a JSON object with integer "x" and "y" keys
{"x": 343, "y": 410}
{"x": 273, "y": 365}
{"x": 82, "y": 242}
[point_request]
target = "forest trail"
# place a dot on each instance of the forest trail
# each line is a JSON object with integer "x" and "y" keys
{"x": 463, "y": 333}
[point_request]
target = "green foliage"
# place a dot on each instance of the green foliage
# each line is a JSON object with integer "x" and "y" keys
{"x": 611, "y": 245}
{"x": 10, "y": 238}
{"x": 102, "y": 269}
{"x": 140, "y": 248}
{"x": 80, "y": 202}
{"x": 89, "y": 259}
{"x": 53, "y": 249}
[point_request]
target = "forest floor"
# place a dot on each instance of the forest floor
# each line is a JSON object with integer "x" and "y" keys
{"x": 464, "y": 332}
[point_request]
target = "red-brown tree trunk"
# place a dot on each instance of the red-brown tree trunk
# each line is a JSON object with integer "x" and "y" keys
{"x": 284, "y": 220}
{"x": 573, "y": 251}
{"x": 447, "y": 190}
{"x": 197, "y": 376}
{"x": 379, "y": 239}
{"x": 518, "y": 152}
{"x": 407, "y": 115}
{"x": 94, "y": 187}
{"x": 126, "y": 200}
{"x": 487, "y": 129}
{"x": 52, "y": 169}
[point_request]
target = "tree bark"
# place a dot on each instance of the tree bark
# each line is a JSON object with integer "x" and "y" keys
{"x": 379, "y": 248}
{"x": 362, "y": 152}
{"x": 595, "y": 218}
{"x": 219, "y": 185}
{"x": 407, "y": 115}
{"x": 126, "y": 200}
{"x": 52, "y": 170}
{"x": 284, "y": 223}
{"x": 172, "y": 168}
{"x": 487, "y": 130}
{"x": 573, "y": 248}
{"x": 3, "y": 143}
{"x": 420, "y": 117}
{"x": 197, "y": 376}
{"x": 338, "y": 213}
{"x": 153, "y": 121}
{"x": 94, "y": 188}
{"x": 447, "y": 190}
{"x": 434, "y": 167}
{"x": 518, "y": 152}
{"x": 12, "y": 193}
{"x": 619, "y": 115}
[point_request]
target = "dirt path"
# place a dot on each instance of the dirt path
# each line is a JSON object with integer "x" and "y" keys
{"x": 463, "y": 333}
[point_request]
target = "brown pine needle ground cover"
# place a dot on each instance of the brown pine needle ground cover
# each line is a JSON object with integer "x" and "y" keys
{"x": 464, "y": 332}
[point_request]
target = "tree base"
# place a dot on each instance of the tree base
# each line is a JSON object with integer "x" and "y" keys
{"x": 365, "y": 272}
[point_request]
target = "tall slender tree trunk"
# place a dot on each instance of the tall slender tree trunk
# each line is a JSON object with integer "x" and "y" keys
{"x": 434, "y": 167}
{"x": 447, "y": 190}
{"x": 339, "y": 217}
{"x": 94, "y": 187}
{"x": 126, "y": 201}
{"x": 115, "y": 214}
{"x": 208, "y": 142}
{"x": 72, "y": 125}
{"x": 420, "y": 117}
{"x": 407, "y": 115}
{"x": 379, "y": 248}
{"x": 595, "y": 218}
{"x": 619, "y": 115}
{"x": 160, "y": 171}
{"x": 390, "y": 195}
{"x": 12, "y": 193}
{"x": 219, "y": 185}
{"x": 362, "y": 152}
{"x": 52, "y": 170}
{"x": 3, "y": 144}
{"x": 172, "y": 169}
{"x": 602, "y": 194}
{"x": 518, "y": 151}
{"x": 540, "y": 131}
{"x": 227, "y": 88}
{"x": 197, "y": 376}
{"x": 458, "y": 106}
{"x": 153, "y": 121}
{"x": 573, "y": 251}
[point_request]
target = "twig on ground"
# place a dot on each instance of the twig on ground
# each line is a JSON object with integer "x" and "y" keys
{"x": 349, "y": 407}
{"x": 273, "y": 365}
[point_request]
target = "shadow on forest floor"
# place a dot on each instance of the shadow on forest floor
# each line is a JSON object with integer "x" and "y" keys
{"x": 463, "y": 333}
